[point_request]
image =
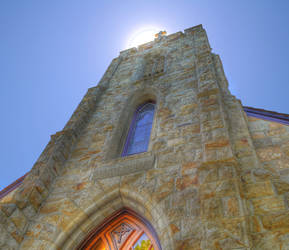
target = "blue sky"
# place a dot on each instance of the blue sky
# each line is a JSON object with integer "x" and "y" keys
{"x": 51, "y": 52}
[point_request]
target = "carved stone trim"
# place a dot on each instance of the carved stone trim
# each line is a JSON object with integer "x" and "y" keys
{"x": 124, "y": 166}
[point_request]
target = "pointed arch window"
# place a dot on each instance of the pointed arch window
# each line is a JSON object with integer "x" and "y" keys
{"x": 138, "y": 137}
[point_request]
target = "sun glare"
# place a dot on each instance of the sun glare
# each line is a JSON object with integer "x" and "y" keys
{"x": 143, "y": 35}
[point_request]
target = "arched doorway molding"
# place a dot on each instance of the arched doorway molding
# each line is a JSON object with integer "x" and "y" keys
{"x": 122, "y": 214}
{"x": 111, "y": 203}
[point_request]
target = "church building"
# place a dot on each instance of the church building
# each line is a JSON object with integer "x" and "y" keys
{"x": 158, "y": 156}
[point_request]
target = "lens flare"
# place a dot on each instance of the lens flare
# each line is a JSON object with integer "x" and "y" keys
{"x": 143, "y": 35}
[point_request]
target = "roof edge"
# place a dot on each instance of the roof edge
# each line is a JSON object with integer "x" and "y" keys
{"x": 267, "y": 115}
{"x": 12, "y": 186}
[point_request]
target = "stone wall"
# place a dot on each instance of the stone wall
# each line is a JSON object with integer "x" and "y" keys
{"x": 267, "y": 188}
{"x": 212, "y": 177}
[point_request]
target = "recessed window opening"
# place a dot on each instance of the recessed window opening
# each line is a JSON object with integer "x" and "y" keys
{"x": 138, "y": 137}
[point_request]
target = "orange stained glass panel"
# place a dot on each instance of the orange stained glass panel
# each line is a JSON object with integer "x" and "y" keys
{"x": 124, "y": 230}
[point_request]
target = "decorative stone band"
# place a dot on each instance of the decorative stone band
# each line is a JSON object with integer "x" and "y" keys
{"x": 124, "y": 167}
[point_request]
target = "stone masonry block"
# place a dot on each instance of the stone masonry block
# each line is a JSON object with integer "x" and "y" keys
{"x": 259, "y": 189}
{"x": 19, "y": 219}
{"x": 269, "y": 204}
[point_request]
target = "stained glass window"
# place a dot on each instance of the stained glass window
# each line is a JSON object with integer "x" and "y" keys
{"x": 139, "y": 133}
{"x": 122, "y": 231}
{"x": 143, "y": 243}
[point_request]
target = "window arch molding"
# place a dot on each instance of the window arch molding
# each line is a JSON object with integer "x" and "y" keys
{"x": 136, "y": 98}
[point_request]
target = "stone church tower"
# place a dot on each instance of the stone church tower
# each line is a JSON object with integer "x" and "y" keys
{"x": 159, "y": 150}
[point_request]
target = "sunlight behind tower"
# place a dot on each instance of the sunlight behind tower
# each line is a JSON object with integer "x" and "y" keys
{"x": 142, "y": 36}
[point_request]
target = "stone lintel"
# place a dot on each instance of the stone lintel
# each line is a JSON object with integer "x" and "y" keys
{"x": 124, "y": 168}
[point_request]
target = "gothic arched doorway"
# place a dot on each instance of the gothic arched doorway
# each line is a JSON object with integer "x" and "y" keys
{"x": 124, "y": 230}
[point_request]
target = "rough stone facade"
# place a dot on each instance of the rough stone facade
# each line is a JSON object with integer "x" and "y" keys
{"x": 212, "y": 177}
